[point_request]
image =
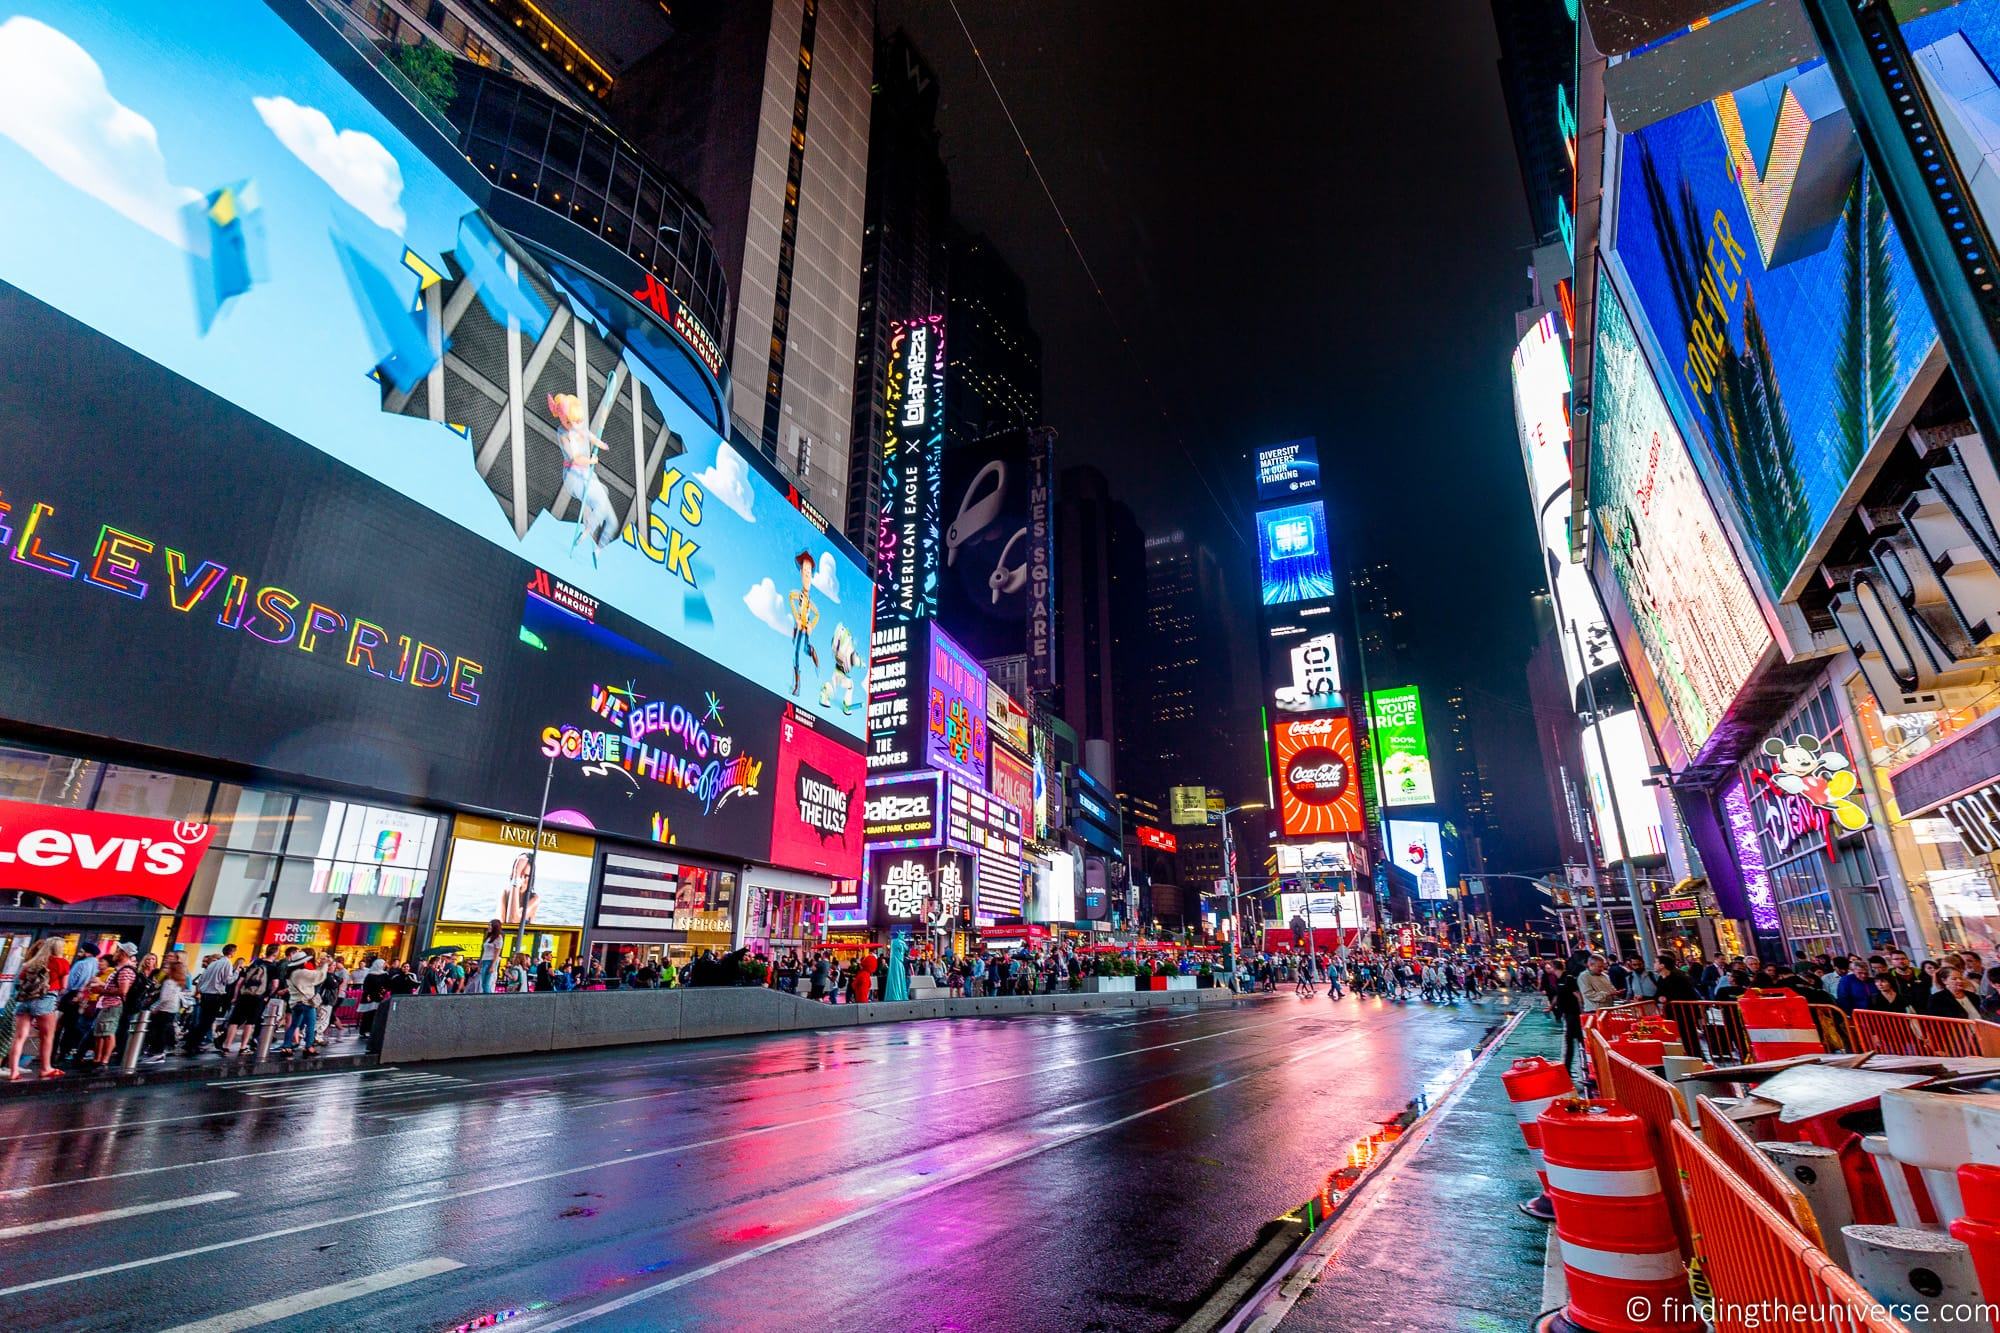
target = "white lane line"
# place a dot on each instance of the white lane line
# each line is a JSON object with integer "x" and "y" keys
{"x": 111, "y": 1215}
{"x": 623, "y": 1159}
{"x": 306, "y": 1078}
{"x": 914, "y": 1196}
{"x": 285, "y": 1307}
{"x": 251, "y": 1156}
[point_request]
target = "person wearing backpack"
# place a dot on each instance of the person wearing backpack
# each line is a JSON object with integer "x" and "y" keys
{"x": 254, "y": 984}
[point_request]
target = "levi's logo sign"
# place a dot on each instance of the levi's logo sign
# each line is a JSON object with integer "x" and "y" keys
{"x": 72, "y": 855}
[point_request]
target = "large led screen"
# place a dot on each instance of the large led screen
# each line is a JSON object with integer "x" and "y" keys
{"x": 320, "y": 587}
{"x": 1541, "y": 409}
{"x": 1288, "y": 469}
{"x": 1403, "y": 754}
{"x": 1697, "y": 626}
{"x": 1788, "y": 319}
{"x": 1416, "y": 846}
{"x": 1293, "y": 552}
{"x": 204, "y": 189}
{"x": 1318, "y": 788}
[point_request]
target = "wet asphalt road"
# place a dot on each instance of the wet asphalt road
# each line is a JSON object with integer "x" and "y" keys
{"x": 1060, "y": 1172}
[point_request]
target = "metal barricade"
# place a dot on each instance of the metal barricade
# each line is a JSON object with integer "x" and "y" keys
{"x": 1727, "y": 1141}
{"x": 1764, "y": 1276}
{"x": 1834, "y": 1031}
{"x": 1712, "y": 1029}
{"x": 1920, "y": 1034}
{"x": 1629, "y": 1009}
{"x": 1658, "y": 1103}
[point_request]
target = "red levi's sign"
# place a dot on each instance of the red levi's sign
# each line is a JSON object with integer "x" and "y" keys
{"x": 71, "y": 855}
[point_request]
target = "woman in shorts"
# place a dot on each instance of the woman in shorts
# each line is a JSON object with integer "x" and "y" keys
{"x": 35, "y": 1010}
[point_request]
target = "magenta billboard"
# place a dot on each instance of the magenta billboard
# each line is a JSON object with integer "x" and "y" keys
{"x": 955, "y": 734}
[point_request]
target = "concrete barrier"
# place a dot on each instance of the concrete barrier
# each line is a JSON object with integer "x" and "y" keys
{"x": 457, "y": 1027}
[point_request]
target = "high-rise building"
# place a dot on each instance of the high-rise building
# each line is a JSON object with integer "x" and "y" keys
{"x": 762, "y": 109}
{"x": 1185, "y": 677}
{"x": 993, "y": 356}
{"x": 1100, "y": 582}
{"x": 903, "y": 258}
{"x": 1472, "y": 786}
{"x": 1383, "y": 628}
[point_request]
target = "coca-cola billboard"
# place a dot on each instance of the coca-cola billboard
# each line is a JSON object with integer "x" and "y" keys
{"x": 1318, "y": 791}
{"x": 71, "y": 855}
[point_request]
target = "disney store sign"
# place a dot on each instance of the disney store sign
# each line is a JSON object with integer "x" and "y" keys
{"x": 1808, "y": 788}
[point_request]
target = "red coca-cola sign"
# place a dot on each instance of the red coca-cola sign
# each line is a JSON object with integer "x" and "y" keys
{"x": 71, "y": 855}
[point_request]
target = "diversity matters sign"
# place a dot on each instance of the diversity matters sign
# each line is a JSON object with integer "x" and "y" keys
{"x": 1286, "y": 470}
{"x": 1319, "y": 791}
{"x": 1294, "y": 554}
{"x": 1397, "y": 727}
{"x": 909, "y": 536}
{"x": 816, "y": 801}
{"x": 1698, "y": 629}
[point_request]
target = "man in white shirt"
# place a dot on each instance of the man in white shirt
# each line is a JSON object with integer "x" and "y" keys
{"x": 1594, "y": 989}
{"x": 211, "y": 997}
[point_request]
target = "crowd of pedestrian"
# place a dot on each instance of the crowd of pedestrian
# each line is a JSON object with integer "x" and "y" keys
{"x": 1957, "y": 984}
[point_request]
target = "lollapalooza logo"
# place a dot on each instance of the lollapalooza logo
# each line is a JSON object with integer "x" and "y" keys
{"x": 635, "y": 744}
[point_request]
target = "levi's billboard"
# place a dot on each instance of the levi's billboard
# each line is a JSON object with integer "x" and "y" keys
{"x": 817, "y": 801}
{"x": 71, "y": 855}
{"x": 1318, "y": 787}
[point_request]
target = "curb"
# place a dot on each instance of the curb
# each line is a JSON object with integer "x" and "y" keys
{"x": 201, "y": 1071}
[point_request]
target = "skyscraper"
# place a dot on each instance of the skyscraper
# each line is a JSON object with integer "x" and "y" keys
{"x": 762, "y": 109}
{"x": 1538, "y": 79}
{"x": 993, "y": 373}
{"x": 1472, "y": 786}
{"x": 1186, "y": 677}
{"x": 902, "y": 253}
{"x": 1100, "y": 583}
{"x": 1381, "y": 626}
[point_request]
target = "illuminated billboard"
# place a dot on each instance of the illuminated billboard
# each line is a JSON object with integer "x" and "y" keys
{"x": 1638, "y": 803}
{"x": 1315, "y": 858}
{"x": 1285, "y": 470}
{"x": 1693, "y": 615}
{"x": 816, "y": 801}
{"x": 302, "y": 260}
{"x": 955, "y": 715}
{"x": 1396, "y": 724}
{"x": 991, "y": 592}
{"x": 1541, "y": 408}
{"x": 1158, "y": 839}
{"x": 1313, "y": 678}
{"x": 1294, "y": 554}
{"x": 1788, "y": 319}
{"x": 909, "y": 535}
{"x": 1416, "y": 847}
{"x": 1318, "y": 788}
{"x": 1321, "y": 911}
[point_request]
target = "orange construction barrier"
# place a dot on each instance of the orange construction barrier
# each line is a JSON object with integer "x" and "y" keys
{"x": 1619, "y": 1252}
{"x": 1765, "y": 1276}
{"x": 1779, "y": 1024}
{"x": 1712, "y": 1029}
{"x": 1831, "y": 1022}
{"x": 1920, "y": 1034}
{"x": 1979, "y": 1187}
{"x": 1533, "y": 1085}
{"x": 1726, "y": 1139}
{"x": 1658, "y": 1103}
{"x": 1630, "y": 1009}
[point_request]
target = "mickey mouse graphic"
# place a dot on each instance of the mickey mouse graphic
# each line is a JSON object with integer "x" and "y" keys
{"x": 1821, "y": 778}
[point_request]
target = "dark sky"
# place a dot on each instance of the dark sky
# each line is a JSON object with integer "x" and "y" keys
{"x": 1308, "y": 220}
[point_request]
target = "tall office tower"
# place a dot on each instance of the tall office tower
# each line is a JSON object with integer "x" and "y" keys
{"x": 761, "y": 108}
{"x": 1100, "y": 582}
{"x": 993, "y": 356}
{"x": 1185, "y": 681}
{"x": 1538, "y": 79}
{"x": 1380, "y": 624}
{"x": 903, "y": 258}
{"x": 1472, "y": 786}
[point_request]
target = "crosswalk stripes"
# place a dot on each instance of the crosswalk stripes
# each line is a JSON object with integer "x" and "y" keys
{"x": 391, "y": 1083}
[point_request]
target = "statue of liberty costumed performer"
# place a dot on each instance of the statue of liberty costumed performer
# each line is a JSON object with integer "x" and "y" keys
{"x": 595, "y": 517}
{"x": 896, "y": 986}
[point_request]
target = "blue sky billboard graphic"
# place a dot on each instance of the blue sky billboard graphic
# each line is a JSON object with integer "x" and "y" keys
{"x": 1787, "y": 319}
{"x": 274, "y": 239}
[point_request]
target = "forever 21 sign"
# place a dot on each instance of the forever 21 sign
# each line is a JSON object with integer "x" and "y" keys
{"x": 1976, "y": 816}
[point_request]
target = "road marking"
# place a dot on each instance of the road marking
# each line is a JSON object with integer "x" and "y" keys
{"x": 285, "y": 1307}
{"x": 251, "y": 1156}
{"x": 621, "y": 1160}
{"x": 913, "y": 1196}
{"x": 305, "y": 1078}
{"x": 111, "y": 1215}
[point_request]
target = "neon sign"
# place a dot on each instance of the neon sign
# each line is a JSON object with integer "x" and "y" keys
{"x": 1807, "y": 790}
{"x": 135, "y": 567}
{"x": 1750, "y": 857}
{"x": 705, "y": 768}
{"x": 908, "y": 537}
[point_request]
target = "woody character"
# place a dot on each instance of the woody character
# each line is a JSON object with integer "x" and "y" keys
{"x": 804, "y": 616}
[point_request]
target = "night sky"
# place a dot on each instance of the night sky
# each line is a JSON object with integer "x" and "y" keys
{"x": 1309, "y": 221}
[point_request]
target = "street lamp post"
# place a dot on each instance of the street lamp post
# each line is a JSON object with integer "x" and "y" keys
{"x": 1229, "y": 878}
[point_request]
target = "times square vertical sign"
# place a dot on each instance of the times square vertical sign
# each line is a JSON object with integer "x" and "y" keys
{"x": 908, "y": 539}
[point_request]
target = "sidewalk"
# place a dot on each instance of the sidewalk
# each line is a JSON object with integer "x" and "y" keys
{"x": 343, "y": 1052}
{"x": 1443, "y": 1247}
